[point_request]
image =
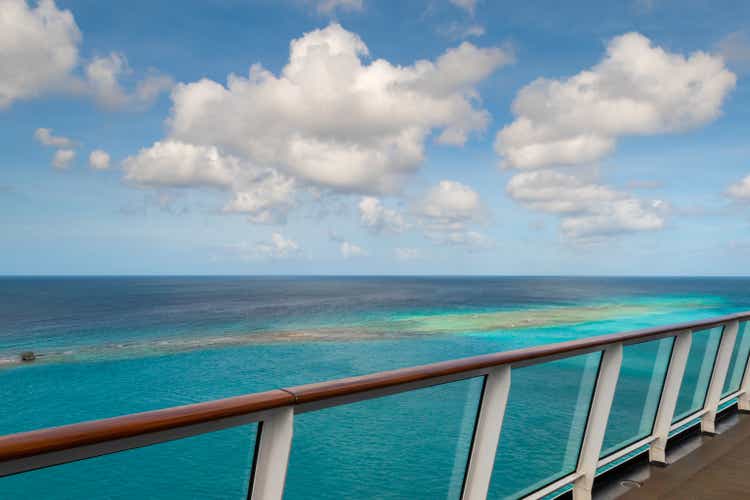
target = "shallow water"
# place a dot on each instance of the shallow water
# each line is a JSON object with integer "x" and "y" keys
{"x": 120, "y": 345}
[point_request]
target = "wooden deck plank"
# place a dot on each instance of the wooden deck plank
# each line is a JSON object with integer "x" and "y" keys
{"x": 718, "y": 469}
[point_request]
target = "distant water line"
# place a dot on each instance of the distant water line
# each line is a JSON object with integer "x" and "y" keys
{"x": 397, "y": 327}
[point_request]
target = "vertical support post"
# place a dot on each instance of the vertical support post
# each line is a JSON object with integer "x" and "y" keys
{"x": 596, "y": 425}
{"x": 669, "y": 394}
{"x": 718, "y": 376}
{"x": 274, "y": 442}
{"x": 487, "y": 434}
{"x": 743, "y": 400}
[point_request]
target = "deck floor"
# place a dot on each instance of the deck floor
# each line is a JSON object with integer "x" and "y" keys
{"x": 718, "y": 469}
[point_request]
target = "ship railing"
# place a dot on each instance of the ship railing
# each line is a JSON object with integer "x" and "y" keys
{"x": 275, "y": 411}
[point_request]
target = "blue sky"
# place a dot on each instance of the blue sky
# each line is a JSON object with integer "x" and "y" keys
{"x": 435, "y": 137}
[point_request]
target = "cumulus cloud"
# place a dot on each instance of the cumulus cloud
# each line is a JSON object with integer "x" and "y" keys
{"x": 332, "y": 119}
{"x": 178, "y": 164}
{"x": 447, "y": 211}
{"x": 45, "y": 137}
{"x": 38, "y": 49}
{"x": 103, "y": 75}
{"x": 330, "y": 6}
{"x": 39, "y": 53}
{"x": 588, "y": 210}
{"x": 349, "y": 250}
{"x": 64, "y": 153}
{"x": 266, "y": 199}
{"x": 450, "y": 205}
{"x": 99, "y": 159}
{"x": 637, "y": 89}
{"x": 377, "y": 218}
{"x": 263, "y": 194}
{"x": 62, "y": 158}
{"x": 278, "y": 247}
{"x": 740, "y": 190}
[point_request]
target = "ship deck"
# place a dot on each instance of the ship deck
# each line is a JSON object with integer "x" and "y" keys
{"x": 703, "y": 467}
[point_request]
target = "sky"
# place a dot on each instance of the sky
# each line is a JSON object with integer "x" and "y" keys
{"x": 375, "y": 137}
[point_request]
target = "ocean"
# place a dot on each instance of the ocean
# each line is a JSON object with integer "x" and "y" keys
{"x": 108, "y": 346}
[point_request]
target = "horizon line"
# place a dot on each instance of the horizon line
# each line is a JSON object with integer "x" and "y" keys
{"x": 385, "y": 275}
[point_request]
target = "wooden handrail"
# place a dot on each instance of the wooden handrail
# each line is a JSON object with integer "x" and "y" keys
{"x": 349, "y": 386}
{"x": 28, "y": 444}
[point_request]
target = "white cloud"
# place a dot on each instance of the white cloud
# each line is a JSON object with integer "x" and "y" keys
{"x": 740, "y": 190}
{"x": 447, "y": 211}
{"x": 39, "y": 53}
{"x": 278, "y": 247}
{"x": 349, "y": 250}
{"x": 44, "y": 136}
{"x": 376, "y": 217}
{"x": 38, "y": 49}
{"x": 588, "y": 210}
{"x": 62, "y": 158}
{"x": 554, "y": 192}
{"x": 177, "y": 164}
{"x": 99, "y": 159}
{"x": 626, "y": 215}
{"x": 467, "y": 5}
{"x": 406, "y": 254}
{"x": 103, "y": 76}
{"x": 450, "y": 203}
{"x": 265, "y": 200}
{"x": 330, "y": 6}
{"x": 332, "y": 119}
{"x": 637, "y": 89}
{"x": 263, "y": 194}
{"x": 64, "y": 153}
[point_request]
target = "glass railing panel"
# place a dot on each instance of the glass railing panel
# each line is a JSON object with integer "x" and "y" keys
{"x": 738, "y": 362}
{"x": 215, "y": 465}
{"x": 410, "y": 445}
{"x": 698, "y": 371}
{"x": 644, "y": 367}
{"x": 544, "y": 424}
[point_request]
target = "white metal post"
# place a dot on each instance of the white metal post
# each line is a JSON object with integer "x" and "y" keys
{"x": 743, "y": 400}
{"x": 272, "y": 456}
{"x": 718, "y": 376}
{"x": 596, "y": 425}
{"x": 669, "y": 394}
{"x": 487, "y": 434}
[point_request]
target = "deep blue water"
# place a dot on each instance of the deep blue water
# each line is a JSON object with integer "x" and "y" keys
{"x": 111, "y": 346}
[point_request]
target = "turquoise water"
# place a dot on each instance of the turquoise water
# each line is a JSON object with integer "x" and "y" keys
{"x": 111, "y": 346}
